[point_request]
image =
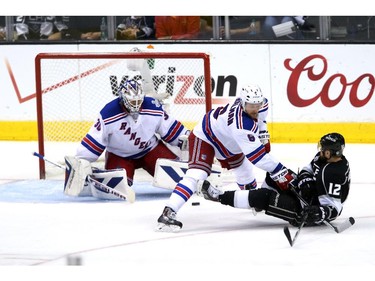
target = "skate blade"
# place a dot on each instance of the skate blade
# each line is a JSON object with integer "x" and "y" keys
{"x": 161, "y": 227}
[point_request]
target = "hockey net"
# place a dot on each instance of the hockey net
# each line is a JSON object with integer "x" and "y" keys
{"x": 72, "y": 88}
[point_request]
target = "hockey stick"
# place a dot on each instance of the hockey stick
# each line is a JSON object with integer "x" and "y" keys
{"x": 287, "y": 232}
{"x": 342, "y": 226}
{"x": 286, "y": 228}
{"x": 337, "y": 228}
{"x": 98, "y": 185}
{"x": 46, "y": 160}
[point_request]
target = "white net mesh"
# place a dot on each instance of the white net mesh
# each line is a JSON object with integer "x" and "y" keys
{"x": 74, "y": 90}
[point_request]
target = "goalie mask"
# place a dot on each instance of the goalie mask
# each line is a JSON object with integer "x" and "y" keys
{"x": 334, "y": 142}
{"x": 251, "y": 94}
{"x": 132, "y": 95}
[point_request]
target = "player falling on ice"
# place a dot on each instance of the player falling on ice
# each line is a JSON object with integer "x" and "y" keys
{"x": 324, "y": 184}
{"x": 233, "y": 134}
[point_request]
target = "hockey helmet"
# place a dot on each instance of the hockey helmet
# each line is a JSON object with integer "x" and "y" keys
{"x": 132, "y": 95}
{"x": 251, "y": 94}
{"x": 333, "y": 142}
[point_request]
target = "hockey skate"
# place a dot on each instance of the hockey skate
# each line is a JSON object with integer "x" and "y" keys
{"x": 167, "y": 221}
{"x": 208, "y": 191}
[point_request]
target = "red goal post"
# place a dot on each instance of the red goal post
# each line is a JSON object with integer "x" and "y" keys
{"x": 71, "y": 89}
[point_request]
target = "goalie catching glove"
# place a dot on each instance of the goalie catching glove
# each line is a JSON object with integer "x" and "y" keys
{"x": 283, "y": 178}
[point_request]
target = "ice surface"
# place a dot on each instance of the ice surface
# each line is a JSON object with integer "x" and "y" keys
{"x": 43, "y": 228}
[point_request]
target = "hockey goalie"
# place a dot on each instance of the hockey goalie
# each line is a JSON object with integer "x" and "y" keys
{"x": 135, "y": 131}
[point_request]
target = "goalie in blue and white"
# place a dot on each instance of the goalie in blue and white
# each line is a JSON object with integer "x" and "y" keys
{"x": 132, "y": 130}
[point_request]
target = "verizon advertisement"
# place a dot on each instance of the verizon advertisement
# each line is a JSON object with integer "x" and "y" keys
{"x": 306, "y": 84}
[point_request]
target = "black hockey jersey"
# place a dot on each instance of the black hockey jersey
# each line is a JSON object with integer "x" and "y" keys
{"x": 332, "y": 183}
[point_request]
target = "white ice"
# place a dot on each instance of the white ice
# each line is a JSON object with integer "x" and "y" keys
{"x": 40, "y": 227}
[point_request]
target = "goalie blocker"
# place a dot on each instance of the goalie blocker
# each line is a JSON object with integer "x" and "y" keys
{"x": 83, "y": 180}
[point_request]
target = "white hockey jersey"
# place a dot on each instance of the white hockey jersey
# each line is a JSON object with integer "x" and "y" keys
{"x": 231, "y": 131}
{"x": 116, "y": 131}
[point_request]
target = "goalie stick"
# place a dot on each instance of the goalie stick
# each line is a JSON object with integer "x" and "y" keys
{"x": 46, "y": 160}
{"x": 98, "y": 185}
{"x": 105, "y": 188}
{"x": 337, "y": 228}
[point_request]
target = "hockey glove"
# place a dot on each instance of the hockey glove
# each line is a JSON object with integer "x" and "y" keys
{"x": 306, "y": 185}
{"x": 315, "y": 214}
{"x": 264, "y": 136}
{"x": 283, "y": 178}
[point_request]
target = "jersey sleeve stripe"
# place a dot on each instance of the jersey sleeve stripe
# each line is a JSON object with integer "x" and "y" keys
{"x": 278, "y": 168}
{"x": 256, "y": 155}
{"x": 92, "y": 145}
{"x": 173, "y": 132}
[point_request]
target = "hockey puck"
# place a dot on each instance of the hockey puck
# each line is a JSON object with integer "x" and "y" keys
{"x": 195, "y": 203}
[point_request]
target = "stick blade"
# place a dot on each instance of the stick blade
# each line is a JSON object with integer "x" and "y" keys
{"x": 346, "y": 224}
{"x": 342, "y": 226}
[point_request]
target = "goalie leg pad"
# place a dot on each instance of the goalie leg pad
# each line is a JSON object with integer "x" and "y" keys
{"x": 76, "y": 173}
{"x": 169, "y": 172}
{"x": 115, "y": 179}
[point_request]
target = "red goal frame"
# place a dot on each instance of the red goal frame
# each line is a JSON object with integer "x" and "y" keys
{"x": 141, "y": 55}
